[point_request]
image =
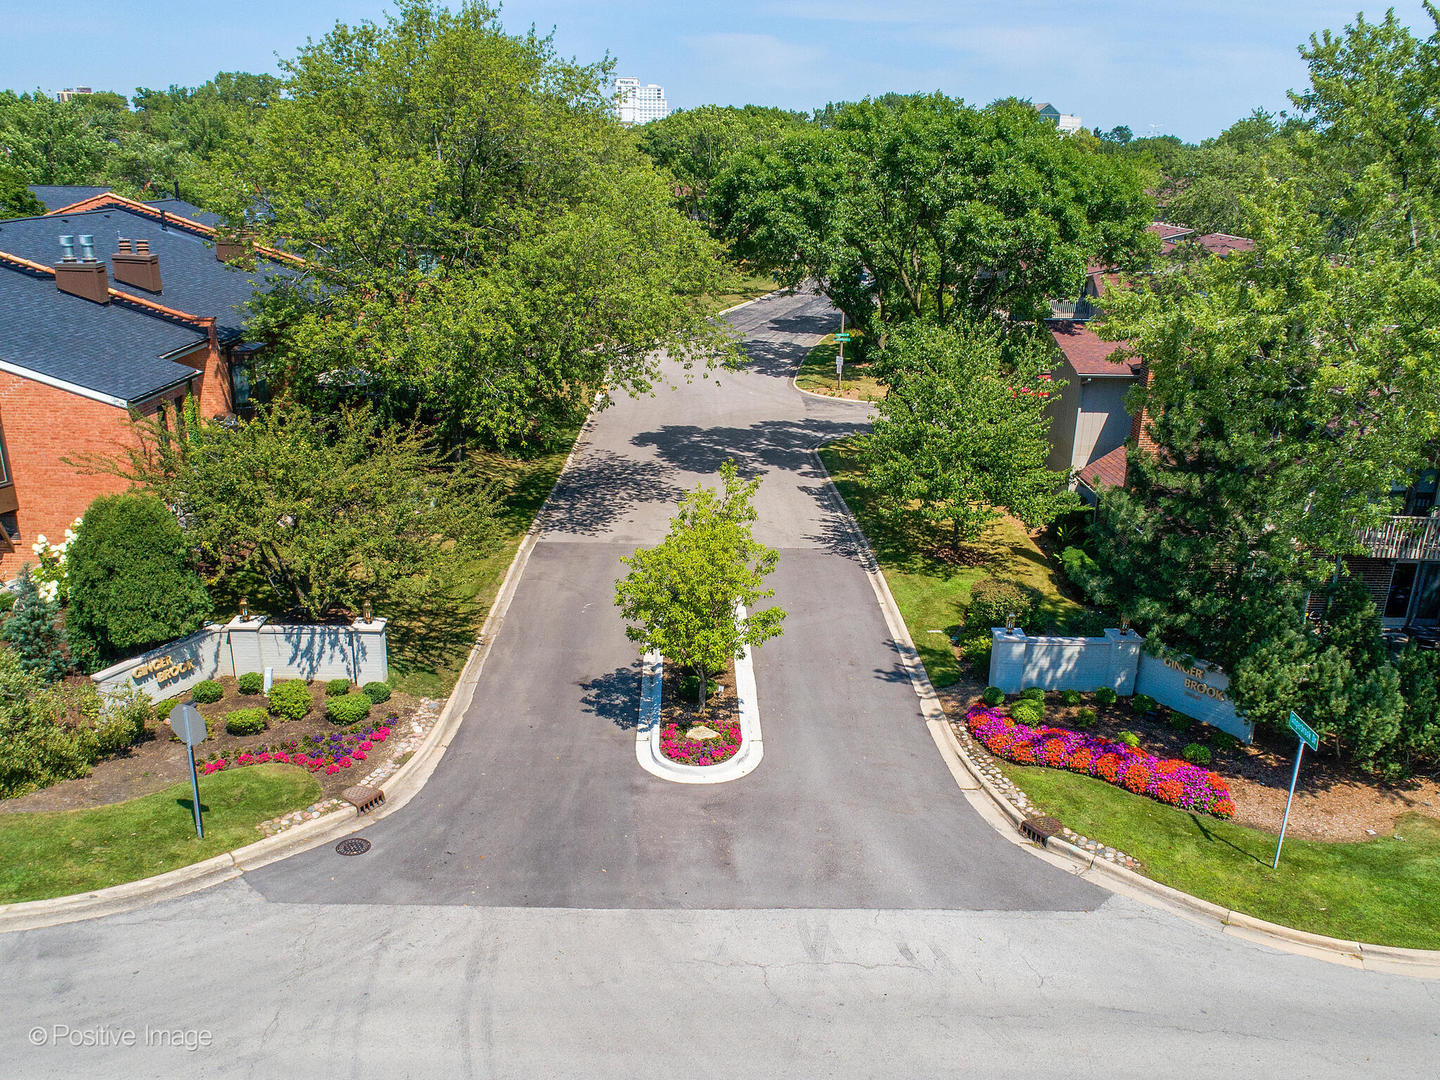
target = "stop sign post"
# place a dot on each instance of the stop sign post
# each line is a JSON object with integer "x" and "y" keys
{"x": 189, "y": 728}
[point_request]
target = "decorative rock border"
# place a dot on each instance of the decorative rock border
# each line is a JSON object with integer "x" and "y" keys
{"x": 419, "y": 723}
{"x": 647, "y": 736}
{"x": 983, "y": 762}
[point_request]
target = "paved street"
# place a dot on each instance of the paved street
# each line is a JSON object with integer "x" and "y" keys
{"x": 546, "y": 908}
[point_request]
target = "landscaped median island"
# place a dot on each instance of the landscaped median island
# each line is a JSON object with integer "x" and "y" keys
{"x": 690, "y": 737}
{"x": 858, "y": 381}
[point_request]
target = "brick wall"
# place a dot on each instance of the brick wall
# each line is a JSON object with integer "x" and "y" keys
{"x": 1139, "y": 425}
{"x": 42, "y": 426}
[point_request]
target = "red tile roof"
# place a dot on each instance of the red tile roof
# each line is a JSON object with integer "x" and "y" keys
{"x": 1215, "y": 243}
{"x": 1108, "y": 470}
{"x": 1089, "y": 355}
{"x": 1166, "y": 231}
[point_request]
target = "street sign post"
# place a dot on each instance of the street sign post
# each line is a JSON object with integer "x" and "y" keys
{"x": 189, "y": 728}
{"x": 1309, "y": 738}
{"x": 841, "y": 338}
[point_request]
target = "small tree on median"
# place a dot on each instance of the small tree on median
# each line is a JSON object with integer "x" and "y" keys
{"x": 680, "y": 596}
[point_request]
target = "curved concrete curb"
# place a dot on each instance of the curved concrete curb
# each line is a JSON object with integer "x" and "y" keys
{"x": 647, "y": 736}
{"x": 1417, "y": 963}
{"x": 747, "y": 303}
{"x": 795, "y": 385}
{"x": 402, "y": 786}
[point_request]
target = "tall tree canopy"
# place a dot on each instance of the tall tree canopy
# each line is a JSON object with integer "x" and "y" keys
{"x": 923, "y": 206}
{"x": 963, "y": 428}
{"x": 695, "y": 144}
{"x": 489, "y": 244}
{"x": 1289, "y": 390}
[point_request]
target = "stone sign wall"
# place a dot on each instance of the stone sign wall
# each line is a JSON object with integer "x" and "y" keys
{"x": 1199, "y": 690}
{"x": 358, "y": 652}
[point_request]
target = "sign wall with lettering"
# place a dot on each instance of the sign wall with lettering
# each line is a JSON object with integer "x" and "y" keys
{"x": 1196, "y": 689}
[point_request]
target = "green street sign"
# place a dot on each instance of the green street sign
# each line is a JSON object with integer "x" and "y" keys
{"x": 842, "y": 336}
{"x": 1305, "y": 731}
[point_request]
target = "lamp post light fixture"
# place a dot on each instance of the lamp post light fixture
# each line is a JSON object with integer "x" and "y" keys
{"x": 1010, "y": 623}
{"x": 365, "y": 610}
{"x": 1124, "y": 625}
{"x": 244, "y": 610}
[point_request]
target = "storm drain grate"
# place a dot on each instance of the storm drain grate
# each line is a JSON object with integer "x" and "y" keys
{"x": 1040, "y": 829}
{"x": 355, "y": 845}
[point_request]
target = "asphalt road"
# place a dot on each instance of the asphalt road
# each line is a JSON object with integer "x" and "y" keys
{"x": 546, "y": 908}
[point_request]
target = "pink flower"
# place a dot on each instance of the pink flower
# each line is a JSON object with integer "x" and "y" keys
{"x": 359, "y": 755}
{"x": 366, "y": 745}
{"x": 344, "y": 763}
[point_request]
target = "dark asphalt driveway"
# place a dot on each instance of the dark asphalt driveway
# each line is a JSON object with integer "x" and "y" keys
{"x": 539, "y": 800}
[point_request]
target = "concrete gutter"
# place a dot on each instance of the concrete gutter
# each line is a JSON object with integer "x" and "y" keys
{"x": 402, "y": 786}
{"x": 1000, "y": 812}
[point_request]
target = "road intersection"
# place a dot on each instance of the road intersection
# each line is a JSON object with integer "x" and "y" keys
{"x": 544, "y": 907}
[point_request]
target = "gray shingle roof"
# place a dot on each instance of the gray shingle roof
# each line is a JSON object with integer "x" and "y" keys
{"x": 186, "y": 210}
{"x": 106, "y": 348}
{"x": 54, "y": 196}
{"x": 194, "y": 281}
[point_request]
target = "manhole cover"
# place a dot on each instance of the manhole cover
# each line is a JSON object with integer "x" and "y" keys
{"x": 353, "y": 846}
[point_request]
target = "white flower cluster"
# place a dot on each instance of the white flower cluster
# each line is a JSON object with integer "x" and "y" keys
{"x": 49, "y": 576}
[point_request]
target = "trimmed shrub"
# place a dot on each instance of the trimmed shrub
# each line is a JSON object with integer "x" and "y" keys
{"x": 1106, "y": 696}
{"x": 1027, "y": 711}
{"x": 1129, "y": 738}
{"x": 1178, "y": 721}
{"x": 975, "y": 651}
{"x": 377, "y": 692}
{"x": 1225, "y": 741}
{"x": 289, "y": 700}
{"x": 992, "y": 696}
{"x": 1032, "y": 693}
{"x": 1070, "y": 697}
{"x": 336, "y": 687}
{"x": 252, "y": 682}
{"x": 1143, "y": 703}
{"x": 249, "y": 721}
{"x": 690, "y": 687}
{"x": 1086, "y": 717}
{"x": 1077, "y": 566}
{"x": 207, "y": 692}
{"x": 1196, "y": 754}
{"x": 130, "y": 576}
{"x": 120, "y": 721}
{"x": 162, "y": 710}
{"x": 992, "y": 601}
{"x": 349, "y": 708}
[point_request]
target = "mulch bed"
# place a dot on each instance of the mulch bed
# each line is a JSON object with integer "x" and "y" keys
{"x": 1333, "y": 801}
{"x": 159, "y": 760}
{"x": 722, "y": 710}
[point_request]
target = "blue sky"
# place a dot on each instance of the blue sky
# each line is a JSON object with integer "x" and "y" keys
{"x": 1184, "y": 67}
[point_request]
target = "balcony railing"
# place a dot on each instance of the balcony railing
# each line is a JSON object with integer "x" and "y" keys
{"x": 1404, "y": 538}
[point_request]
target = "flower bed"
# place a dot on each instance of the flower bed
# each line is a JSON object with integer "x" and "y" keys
{"x": 1168, "y": 780}
{"x": 327, "y": 753}
{"x": 682, "y": 749}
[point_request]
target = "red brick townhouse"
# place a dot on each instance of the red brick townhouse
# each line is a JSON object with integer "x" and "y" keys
{"x": 1091, "y": 428}
{"x": 109, "y": 308}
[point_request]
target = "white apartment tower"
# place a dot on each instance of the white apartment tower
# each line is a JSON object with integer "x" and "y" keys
{"x": 636, "y": 104}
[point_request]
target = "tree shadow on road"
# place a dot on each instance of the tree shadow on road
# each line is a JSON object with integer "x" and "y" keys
{"x": 770, "y": 444}
{"x": 601, "y": 487}
{"x": 615, "y": 696}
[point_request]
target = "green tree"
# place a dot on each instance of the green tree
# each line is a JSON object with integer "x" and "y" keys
{"x": 695, "y": 144}
{"x": 328, "y": 510}
{"x": 963, "y": 429}
{"x": 921, "y": 206}
{"x": 487, "y": 244}
{"x": 1288, "y": 392}
{"x": 15, "y": 197}
{"x": 680, "y": 596}
{"x": 131, "y": 579}
{"x": 35, "y": 632}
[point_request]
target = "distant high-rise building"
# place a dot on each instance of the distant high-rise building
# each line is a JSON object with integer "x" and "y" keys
{"x": 73, "y": 91}
{"x": 636, "y": 104}
{"x": 1069, "y": 123}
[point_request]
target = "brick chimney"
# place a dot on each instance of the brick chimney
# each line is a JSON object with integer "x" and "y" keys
{"x": 136, "y": 265}
{"x": 83, "y": 277}
{"x": 234, "y": 248}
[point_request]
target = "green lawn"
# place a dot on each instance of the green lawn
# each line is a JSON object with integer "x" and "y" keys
{"x": 1381, "y": 891}
{"x": 45, "y": 855}
{"x": 817, "y": 374}
{"x": 931, "y": 593}
{"x": 742, "y": 287}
